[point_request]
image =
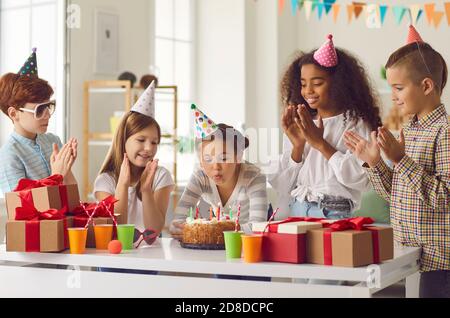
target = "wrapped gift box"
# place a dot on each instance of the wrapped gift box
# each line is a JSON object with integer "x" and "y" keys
{"x": 45, "y": 194}
{"x": 286, "y": 240}
{"x": 350, "y": 248}
{"x": 38, "y": 236}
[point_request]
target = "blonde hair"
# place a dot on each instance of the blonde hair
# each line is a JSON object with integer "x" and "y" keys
{"x": 131, "y": 124}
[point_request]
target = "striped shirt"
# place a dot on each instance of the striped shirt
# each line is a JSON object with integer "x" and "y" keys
{"x": 250, "y": 192}
{"x": 22, "y": 158}
{"x": 418, "y": 189}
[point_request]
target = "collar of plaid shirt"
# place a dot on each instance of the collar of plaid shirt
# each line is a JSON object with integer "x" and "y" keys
{"x": 429, "y": 119}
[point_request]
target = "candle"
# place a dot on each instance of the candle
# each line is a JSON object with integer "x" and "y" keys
{"x": 210, "y": 213}
{"x": 190, "y": 212}
{"x": 218, "y": 211}
{"x": 236, "y": 227}
{"x": 197, "y": 210}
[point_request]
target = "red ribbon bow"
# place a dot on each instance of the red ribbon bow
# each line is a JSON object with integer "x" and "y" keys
{"x": 357, "y": 224}
{"x": 28, "y": 184}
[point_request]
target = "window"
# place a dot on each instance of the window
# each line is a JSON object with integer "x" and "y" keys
{"x": 174, "y": 46}
{"x": 25, "y": 24}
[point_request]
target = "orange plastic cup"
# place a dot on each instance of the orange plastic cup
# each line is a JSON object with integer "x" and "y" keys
{"x": 103, "y": 235}
{"x": 77, "y": 240}
{"x": 252, "y": 247}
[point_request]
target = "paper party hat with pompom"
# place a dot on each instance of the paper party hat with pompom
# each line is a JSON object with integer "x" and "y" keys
{"x": 146, "y": 102}
{"x": 326, "y": 55}
{"x": 30, "y": 68}
{"x": 413, "y": 36}
{"x": 204, "y": 126}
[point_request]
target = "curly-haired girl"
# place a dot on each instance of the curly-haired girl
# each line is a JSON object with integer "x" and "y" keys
{"x": 325, "y": 93}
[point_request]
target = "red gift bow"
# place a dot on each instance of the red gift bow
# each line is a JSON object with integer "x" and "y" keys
{"x": 25, "y": 185}
{"x": 357, "y": 224}
{"x": 33, "y": 217}
{"x": 28, "y": 184}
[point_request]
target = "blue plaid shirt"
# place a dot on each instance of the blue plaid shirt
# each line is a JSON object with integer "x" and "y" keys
{"x": 22, "y": 158}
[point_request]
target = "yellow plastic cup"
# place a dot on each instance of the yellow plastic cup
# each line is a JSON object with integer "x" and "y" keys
{"x": 103, "y": 235}
{"x": 77, "y": 240}
{"x": 252, "y": 248}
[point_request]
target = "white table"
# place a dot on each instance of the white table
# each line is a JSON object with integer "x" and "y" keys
{"x": 187, "y": 273}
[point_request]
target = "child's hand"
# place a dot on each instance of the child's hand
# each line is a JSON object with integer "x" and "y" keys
{"x": 290, "y": 128}
{"x": 368, "y": 152}
{"x": 148, "y": 176}
{"x": 311, "y": 132}
{"x": 61, "y": 161}
{"x": 393, "y": 149}
{"x": 125, "y": 173}
{"x": 74, "y": 145}
{"x": 176, "y": 229}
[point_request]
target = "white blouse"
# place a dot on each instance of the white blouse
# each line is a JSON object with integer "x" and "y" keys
{"x": 106, "y": 183}
{"x": 342, "y": 175}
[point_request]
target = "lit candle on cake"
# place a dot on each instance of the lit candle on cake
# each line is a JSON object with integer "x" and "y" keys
{"x": 236, "y": 227}
{"x": 218, "y": 211}
{"x": 210, "y": 213}
{"x": 197, "y": 210}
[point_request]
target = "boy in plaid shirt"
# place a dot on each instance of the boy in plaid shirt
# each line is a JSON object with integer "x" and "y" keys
{"x": 418, "y": 187}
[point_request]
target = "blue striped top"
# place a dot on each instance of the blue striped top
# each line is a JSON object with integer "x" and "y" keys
{"x": 22, "y": 158}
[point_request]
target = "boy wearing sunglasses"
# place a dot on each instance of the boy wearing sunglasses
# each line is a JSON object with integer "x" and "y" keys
{"x": 30, "y": 151}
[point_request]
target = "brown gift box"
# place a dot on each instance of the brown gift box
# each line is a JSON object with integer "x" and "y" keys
{"x": 51, "y": 235}
{"x": 44, "y": 199}
{"x": 350, "y": 248}
{"x": 81, "y": 222}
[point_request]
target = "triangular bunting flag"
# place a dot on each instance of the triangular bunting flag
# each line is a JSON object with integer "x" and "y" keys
{"x": 438, "y": 15}
{"x": 308, "y": 9}
{"x": 399, "y": 13}
{"x": 328, "y": 5}
{"x": 415, "y": 11}
{"x": 294, "y": 6}
{"x": 359, "y": 7}
{"x": 336, "y": 9}
{"x": 383, "y": 11}
{"x": 280, "y": 6}
{"x": 373, "y": 18}
{"x": 429, "y": 10}
{"x": 320, "y": 7}
{"x": 350, "y": 11}
{"x": 447, "y": 10}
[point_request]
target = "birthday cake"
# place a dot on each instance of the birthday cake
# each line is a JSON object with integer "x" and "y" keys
{"x": 206, "y": 234}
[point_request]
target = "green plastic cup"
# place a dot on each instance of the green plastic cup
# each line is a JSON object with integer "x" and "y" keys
{"x": 233, "y": 244}
{"x": 125, "y": 234}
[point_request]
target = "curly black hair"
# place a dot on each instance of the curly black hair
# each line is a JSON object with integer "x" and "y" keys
{"x": 350, "y": 87}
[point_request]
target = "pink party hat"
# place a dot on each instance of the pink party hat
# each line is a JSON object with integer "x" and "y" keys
{"x": 204, "y": 126}
{"x": 413, "y": 36}
{"x": 326, "y": 55}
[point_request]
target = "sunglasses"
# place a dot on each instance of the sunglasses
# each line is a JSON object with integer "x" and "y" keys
{"x": 149, "y": 236}
{"x": 41, "y": 109}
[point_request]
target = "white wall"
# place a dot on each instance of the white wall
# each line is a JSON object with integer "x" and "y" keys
{"x": 372, "y": 46}
{"x": 220, "y": 58}
{"x": 135, "y": 55}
